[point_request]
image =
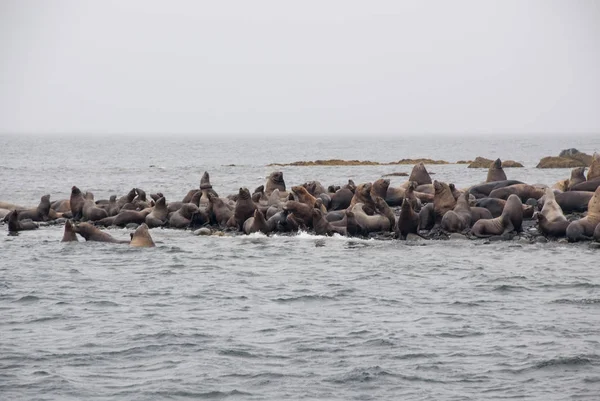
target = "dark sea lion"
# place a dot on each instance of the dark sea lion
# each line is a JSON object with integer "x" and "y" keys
{"x": 131, "y": 216}
{"x": 159, "y": 214}
{"x": 589, "y": 185}
{"x": 514, "y": 210}
{"x": 443, "y": 200}
{"x": 106, "y": 222}
{"x": 112, "y": 208}
{"x": 379, "y": 188}
{"x": 551, "y": 220}
{"x": 256, "y": 223}
{"x": 244, "y": 209}
{"x": 218, "y": 211}
{"x": 76, "y": 203}
{"x": 259, "y": 197}
{"x": 205, "y": 181}
{"x": 302, "y": 212}
{"x": 494, "y": 205}
{"x": 584, "y": 228}
{"x": 384, "y": 209}
{"x": 374, "y": 223}
{"x": 183, "y": 216}
{"x": 488, "y": 228}
{"x": 69, "y": 234}
{"x": 91, "y": 233}
{"x": 89, "y": 211}
{"x": 459, "y": 218}
{"x": 426, "y": 217}
{"x": 483, "y": 190}
{"x": 141, "y": 200}
{"x": 571, "y": 201}
{"x": 577, "y": 177}
{"x": 141, "y": 237}
{"x": 305, "y": 197}
{"x": 594, "y": 171}
{"x": 350, "y": 185}
{"x": 126, "y": 199}
{"x": 14, "y": 224}
{"x": 496, "y": 172}
{"x": 156, "y": 196}
{"x": 395, "y": 195}
{"x": 335, "y": 215}
{"x": 523, "y": 191}
{"x": 315, "y": 188}
{"x": 408, "y": 221}
{"x": 326, "y": 199}
{"x": 275, "y": 181}
{"x": 323, "y": 227}
{"x": 292, "y": 223}
{"x": 478, "y": 213}
{"x": 41, "y": 213}
{"x": 420, "y": 175}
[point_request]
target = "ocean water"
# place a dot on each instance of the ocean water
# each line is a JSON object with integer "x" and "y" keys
{"x": 286, "y": 317}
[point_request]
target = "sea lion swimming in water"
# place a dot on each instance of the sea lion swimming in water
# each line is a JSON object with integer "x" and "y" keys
{"x": 584, "y": 228}
{"x": 141, "y": 237}
{"x": 496, "y": 172}
{"x": 69, "y": 233}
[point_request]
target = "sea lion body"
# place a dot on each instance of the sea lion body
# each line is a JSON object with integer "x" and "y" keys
{"x": 323, "y": 227}
{"x": 589, "y": 185}
{"x": 408, "y": 221}
{"x": 443, "y": 200}
{"x": 131, "y": 216}
{"x": 379, "y": 188}
{"x": 141, "y": 237}
{"x": 523, "y": 191}
{"x": 584, "y": 228}
{"x": 594, "y": 171}
{"x": 91, "y": 233}
{"x": 420, "y": 175}
{"x": 374, "y": 223}
{"x": 577, "y": 177}
{"x": 89, "y": 211}
{"x": 571, "y": 201}
{"x": 514, "y": 210}
{"x": 15, "y": 225}
{"x": 41, "y": 213}
{"x": 363, "y": 195}
{"x": 183, "y": 216}
{"x": 496, "y": 172}
{"x": 244, "y": 209}
{"x": 551, "y": 220}
{"x": 384, "y": 209}
{"x": 341, "y": 199}
{"x": 256, "y": 223}
{"x": 159, "y": 214}
{"x": 460, "y": 217}
{"x": 76, "y": 202}
{"x": 483, "y": 190}
{"x": 275, "y": 181}
{"x": 488, "y": 228}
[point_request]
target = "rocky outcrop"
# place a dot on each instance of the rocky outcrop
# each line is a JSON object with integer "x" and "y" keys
{"x": 568, "y": 158}
{"x": 482, "y": 162}
{"x": 339, "y": 162}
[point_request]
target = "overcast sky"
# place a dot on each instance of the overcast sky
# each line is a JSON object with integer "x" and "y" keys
{"x": 269, "y": 67}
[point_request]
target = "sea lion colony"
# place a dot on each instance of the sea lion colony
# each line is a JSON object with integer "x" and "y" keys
{"x": 498, "y": 208}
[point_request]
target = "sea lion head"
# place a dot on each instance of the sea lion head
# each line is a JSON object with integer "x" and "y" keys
{"x": 380, "y": 187}
{"x": 244, "y": 193}
{"x": 75, "y": 190}
{"x": 205, "y": 181}
{"x": 496, "y": 164}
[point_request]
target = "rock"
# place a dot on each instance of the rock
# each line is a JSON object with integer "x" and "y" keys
{"x": 202, "y": 231}
{"x": 132, "y": 226}
{"x": 60, "y": 220}
{"x": 595, "y": 245}
{"x": 395, "y": 175}
{"x": 482, "y": 162}
{"x": 413, "y": 237}
{"x": 457, "y": 236}
{"x": 464, "y": 162}
{"x": 568, "y": 158}
{"x": 541, "y": 240}
{"x": 524, "y": 241}
{"x": 340, "y": 162}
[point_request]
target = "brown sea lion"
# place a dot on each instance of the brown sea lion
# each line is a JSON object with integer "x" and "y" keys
{"x": 89, "y": 211}
{"x": 91, "y": 233}
{"x": 363, "y": 195}
{"x": 125, "y": 199}
{"x": 424, "y": 189}
{"x": 112, "y": 208}
{"x": 443, "y": 200}
{"x": 379, "y": 188}
{"x": 384, "y": 209}
{"x": 523, "y": 191}
{"x": 256, "y": 223}
{"x": 420, "y": 175}
{"x": 69, "y": 233}
{"x": 488, "y": 228}
{"x": 483, "y": 190}
{"x": 275, "y": 181}
{"x": 577, "y": 177}
{"x": 259, "y": 197}
{"x": 302, "y": 212}
{"x": 426, "y": 217}
{"x": 584, "y": 228}
{"x": 188, "y": 197}
{"x": 408, "y": 221}
{"x": 41, "y": 213}
{"x": 589, "y": 185}
{"x": 76, "y": 203}
{"x": 514, "y": 210}
{"x": 244, "y": 209}
{"x": 141, "y": 237}
{"x": 218, "y": 211}
{"x": 594, "y": 171}
{"x": 571, "y": 201}
{"x": 374, "y": 223}
{"x": 61, "y": 206}
{"x": 14, "y": 224}
{"x": 551, "y": 220}
{"x": 159, "y": 215}
{"x": 205, "y": 181}
{"x": 478, "y": 213}
{"x": 183, "y": 216}
{"x": 315, "y": 188}
{"x": 496, "y": 172}
{"x": 131, "y": 216}
{"x": 459, "y": 218}
{"x": 323, "y": 227}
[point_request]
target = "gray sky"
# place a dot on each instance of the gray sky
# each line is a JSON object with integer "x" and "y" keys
{"x": 268, "y": 67}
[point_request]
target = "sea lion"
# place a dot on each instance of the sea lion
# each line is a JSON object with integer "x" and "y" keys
{"x": 4, "y": 213}
{"x": 514, "y": 210}
{"x": 551, "y": 220}
{"x": 584, "y": 228}
{"x": 577, "y": 177}
{"x": 352, "y": 227}
{"x": 183, "y": 216}
{"x": 385, "y": 210}
{"x": 488, "y": 228}
{"x": 89, "y": 211}
{"x": 76, "y": 202}
{"x": 131, "y": 216}
{"x": 426, "y": 217}
{"x": 496, "y": 172}
{"x": 379, "y": 188}
{"x": 305, "y": 197}
{"x": 443, "y": 200}
{"x": 572, "y": 201}
{"x": 363, "y": 195}
{"x": 14, "y": 224}
{"x": 302, "y": 212}
{"x": 256, "y": 223}
{"x": 275, "y": 181}
{"x": 423, "y": 189}
{"x": 112, "y": 209}
{"x": 61, "y": 206}
{"x": 483, "y": 190}
{"x": 125, "y": 199}
{"x": 323, "y": 227}
{"x": 188, "y": 197}
{"x": 141, "y": 200}
{"x": 496, "y": 206}
{"x": 369, "y": 224}
{"x": 41, "y": 213}
{"x": 594, "y": 171}
{"x": 408, "y": 221}
{"x": 315, "y": 188}
{"x": 218, "y": 211}
{"x": 156, "y": 196}
{"x": 459, "y": 218}
{"x": 69, "y": 233}
{"x": 259, "y": 197}
{"x": 244, "y": 209}
{"x": 478, "y": 213}
{"x": 395, "y": 195}
{"x": 523, "y": 191}
{"x": 419, "y": 174}
{"x": 597, "y": 233}
{"x": 159, "y": 214}
{"x": 11, "y": 206}
{"x": 91, "y": 233}
{"x": 589, "y": 185}
{"x": 205, "y": 181}
{"x": 141, "y": 237}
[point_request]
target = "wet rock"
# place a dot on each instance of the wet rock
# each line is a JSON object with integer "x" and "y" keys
{"x": 202, "y": 231}
{"x": 568, "y": 158}
{"x": 595, "y": 245}
{"x": 541, "y": 240}
{"x": 457, "y": 236}
{"x": 132, "y": 226}
{"x": 482, "y": 162}
{"x": 413, "y": 237}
